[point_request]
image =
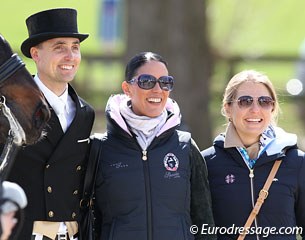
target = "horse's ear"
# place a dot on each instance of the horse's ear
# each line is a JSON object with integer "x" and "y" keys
{"x": 5, "y": 49}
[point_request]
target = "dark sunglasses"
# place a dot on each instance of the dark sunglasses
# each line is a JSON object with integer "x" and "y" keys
{"x": 146, "y": 81}
{"x": 247, "y": 101}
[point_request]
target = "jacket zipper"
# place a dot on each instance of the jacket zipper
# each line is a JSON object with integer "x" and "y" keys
{"x": 148, "y": 195}
{"x": 144, "y": 155}
{"x": 251, "y": 175}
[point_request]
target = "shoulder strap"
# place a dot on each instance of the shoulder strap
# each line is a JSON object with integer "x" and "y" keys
{"x": 91, "y": 170}
{"x": 263, "y": 194}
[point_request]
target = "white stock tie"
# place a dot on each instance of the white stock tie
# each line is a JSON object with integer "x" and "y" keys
{"x": 62, "y": 116}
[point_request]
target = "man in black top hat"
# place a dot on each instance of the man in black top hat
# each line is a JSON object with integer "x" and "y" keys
{"x": 51, "y": 171}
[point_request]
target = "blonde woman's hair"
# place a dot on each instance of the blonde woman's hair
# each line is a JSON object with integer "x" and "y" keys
{"x": 249, "y": 76}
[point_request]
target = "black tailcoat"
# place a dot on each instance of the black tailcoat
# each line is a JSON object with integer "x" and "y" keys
{"x": 51, "y": 171}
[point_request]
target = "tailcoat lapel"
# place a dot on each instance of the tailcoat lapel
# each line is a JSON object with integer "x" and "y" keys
{"x": 73, "y": 135}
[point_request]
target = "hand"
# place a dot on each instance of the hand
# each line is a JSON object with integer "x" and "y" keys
{"x": 7, "y": 222}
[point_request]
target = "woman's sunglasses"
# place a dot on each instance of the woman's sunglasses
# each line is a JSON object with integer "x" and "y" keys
{"x": 247, "y": 101}
{"x": 146, "y": 81}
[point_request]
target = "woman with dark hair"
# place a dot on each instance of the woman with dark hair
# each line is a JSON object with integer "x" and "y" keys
{"x": 151, "y": 182}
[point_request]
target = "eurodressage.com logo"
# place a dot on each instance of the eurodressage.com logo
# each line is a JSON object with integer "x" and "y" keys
{"x": 205, "y": 229}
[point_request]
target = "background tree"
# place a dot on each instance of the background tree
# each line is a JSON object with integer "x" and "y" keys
{"x": 177, "y": 29}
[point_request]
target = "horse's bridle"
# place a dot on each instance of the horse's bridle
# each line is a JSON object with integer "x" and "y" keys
{"x": 16, "y": 131}
{"x": 8, "y": 68}
{"x": 16, "y": 134}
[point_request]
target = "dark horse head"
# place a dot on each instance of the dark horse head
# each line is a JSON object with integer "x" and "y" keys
{"x": 23, "y": 109}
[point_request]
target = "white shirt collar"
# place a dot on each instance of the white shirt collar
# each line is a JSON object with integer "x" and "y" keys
{"x": 54, "y": 100}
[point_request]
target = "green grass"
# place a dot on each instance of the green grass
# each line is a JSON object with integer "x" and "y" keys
{"x": 12, "y": 24}
{"x": 256, "y": 27}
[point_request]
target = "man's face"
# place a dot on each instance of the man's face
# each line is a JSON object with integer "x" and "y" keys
{"x": 57, "y": 60}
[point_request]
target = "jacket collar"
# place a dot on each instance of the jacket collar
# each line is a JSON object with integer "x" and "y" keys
{"x": 279, "y": 141}
{"x": 231, "y": 137}
{"x": 114, "y": 115}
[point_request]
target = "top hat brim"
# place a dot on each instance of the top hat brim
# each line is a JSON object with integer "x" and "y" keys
{"x": 38, "y": 38}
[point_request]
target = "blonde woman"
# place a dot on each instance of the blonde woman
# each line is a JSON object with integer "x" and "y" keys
{"x": 240, "y": 160}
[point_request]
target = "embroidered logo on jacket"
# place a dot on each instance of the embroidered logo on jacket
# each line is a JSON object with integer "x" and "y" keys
{"x": 170, "y": 175}
{"x": 171, "y": 162}
{"x": 230, "y": 178}
{"x": 119, "y": 165}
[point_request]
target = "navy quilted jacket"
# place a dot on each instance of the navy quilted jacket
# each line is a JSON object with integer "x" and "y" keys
{"x": 234, "y": 192}
{"x": 150, "y": 195}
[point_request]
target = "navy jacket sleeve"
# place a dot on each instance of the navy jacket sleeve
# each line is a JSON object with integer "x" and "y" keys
{"x": 201, "y": 203}
{"x": 300, "y": 199}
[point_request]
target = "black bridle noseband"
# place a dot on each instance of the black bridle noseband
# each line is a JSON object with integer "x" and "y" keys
{"x": 16, "y": 134}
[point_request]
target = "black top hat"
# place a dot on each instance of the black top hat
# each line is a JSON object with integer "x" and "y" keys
{"x": 53, "y": 23}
